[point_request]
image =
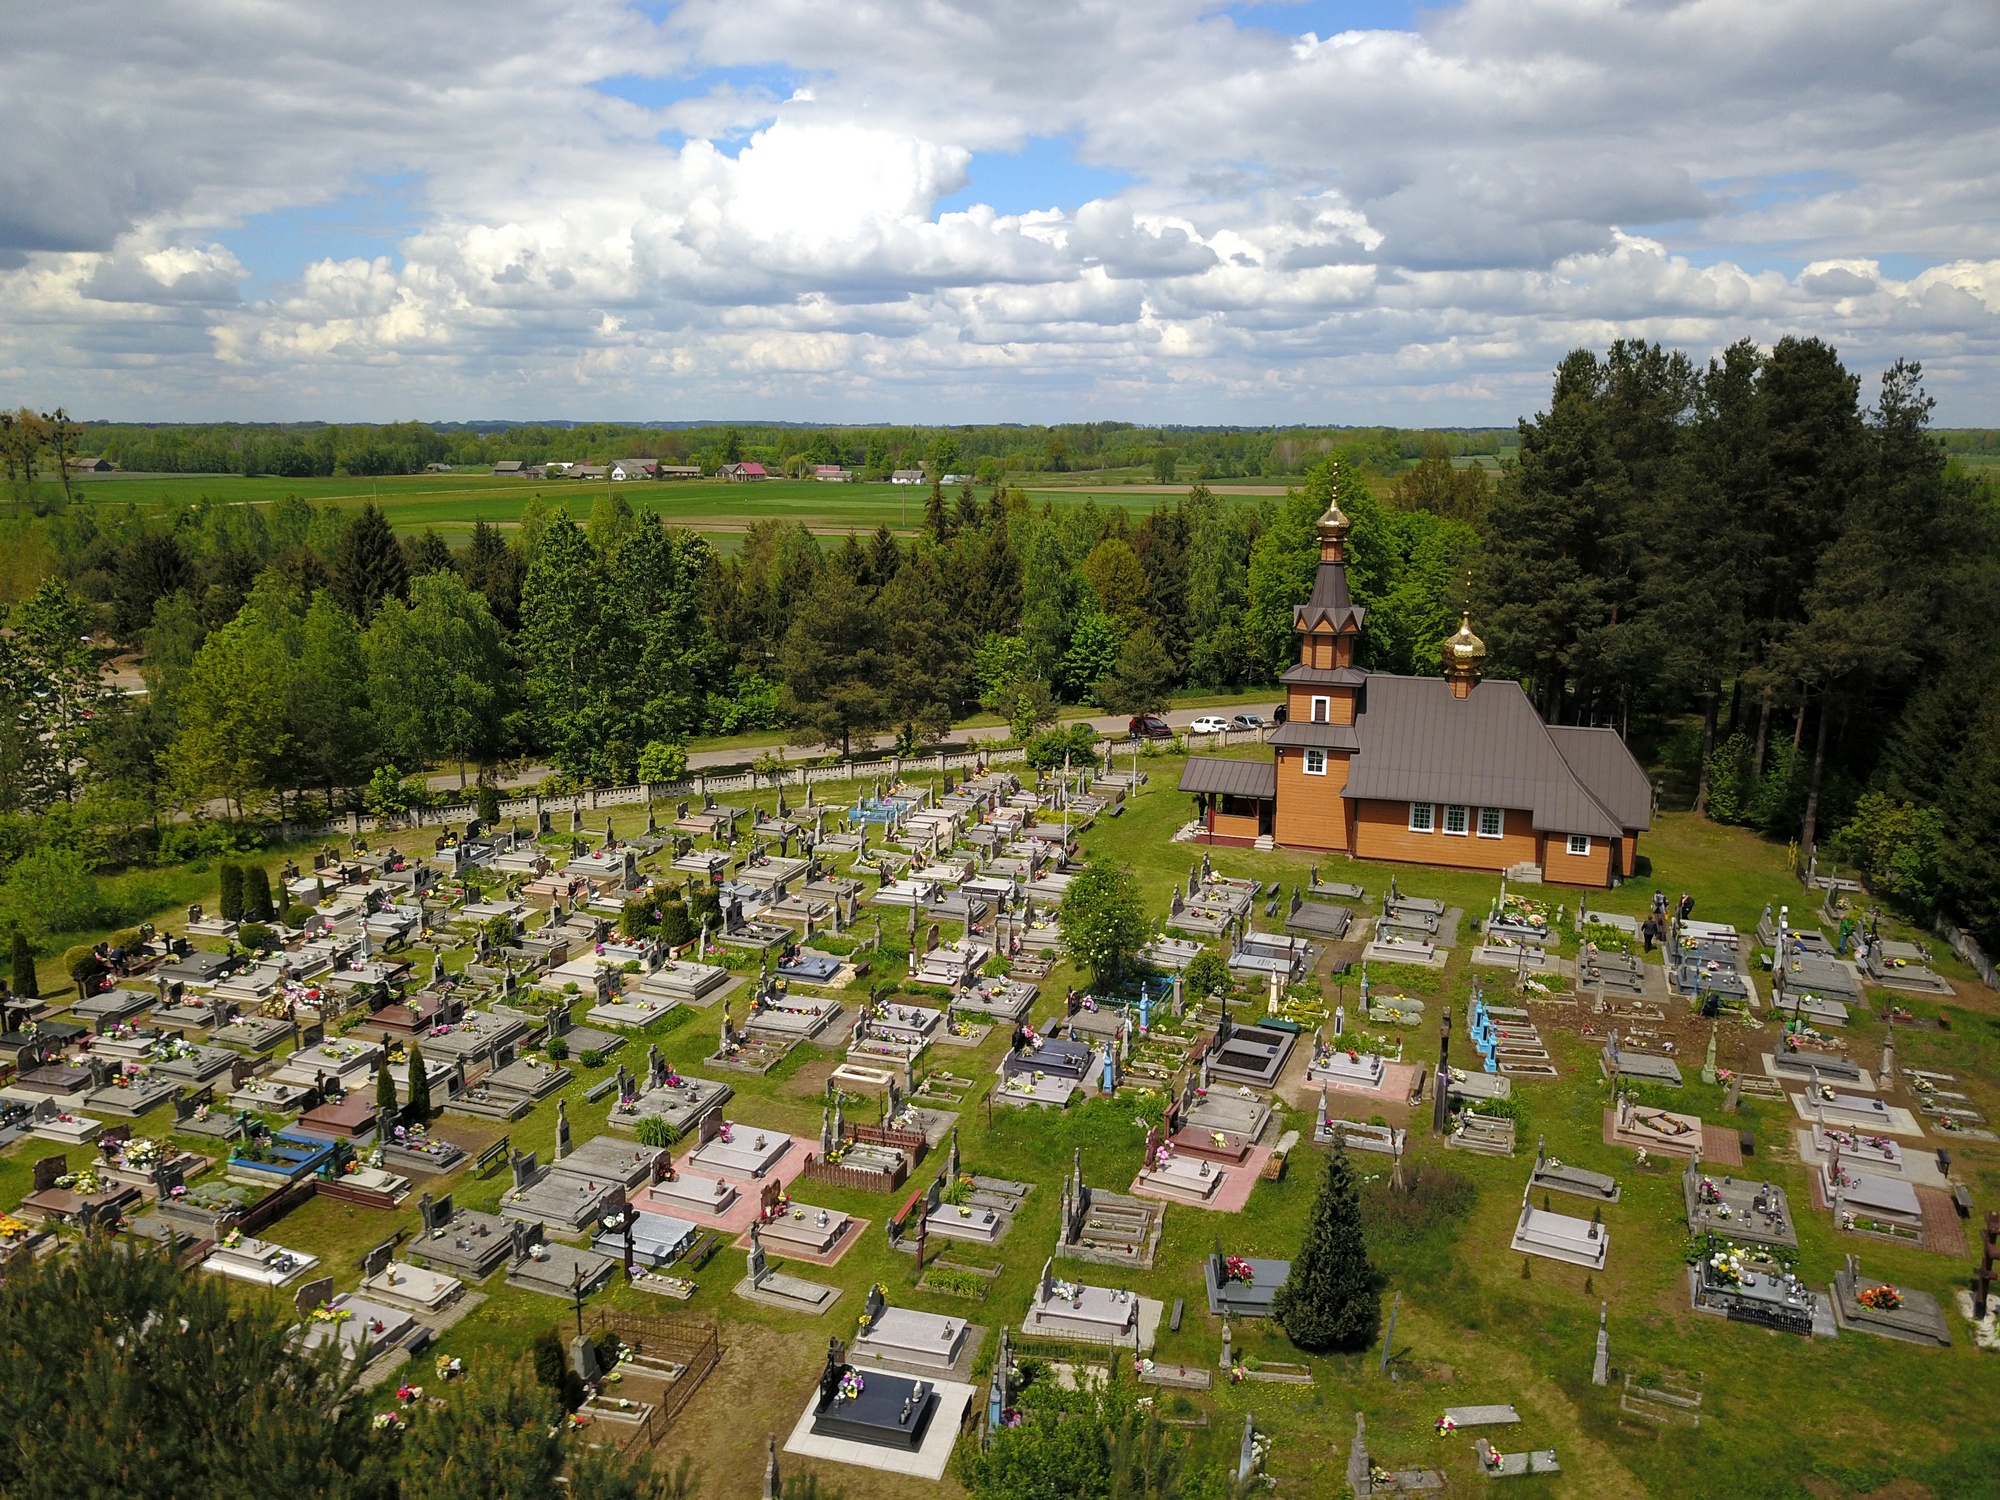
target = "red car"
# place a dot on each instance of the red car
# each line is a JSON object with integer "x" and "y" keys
{"x": 1149, "y": 727}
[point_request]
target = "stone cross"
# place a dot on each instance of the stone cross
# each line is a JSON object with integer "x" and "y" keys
{"x": 759, "y": 1270}
{"x": 656, "y": 1068}
{"x": 1228, "y": 1345}
{"x": 1600, "y": 1370}
{"x": 562, "y": 1129}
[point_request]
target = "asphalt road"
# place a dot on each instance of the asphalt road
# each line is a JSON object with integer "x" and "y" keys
{"x": 705, "y": 760}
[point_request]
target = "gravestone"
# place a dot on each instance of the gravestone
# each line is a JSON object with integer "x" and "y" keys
{"x": 562, "y": 1129}
{"x": 1600, "y": 1370}
{"x": 313, "y": 1294}
{"x": 376, "y": 1261}
{"x": 759, "y": 1269}
{"x": 583, "y": 1360}
{"x": 524, "y": 1166}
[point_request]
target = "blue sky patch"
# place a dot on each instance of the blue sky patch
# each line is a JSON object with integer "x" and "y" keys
{"x": 1042, "y": 174}
{"x": 658, "y": 93}
{"x": 1324, "y": 18}
{"x": 278, "y": 246}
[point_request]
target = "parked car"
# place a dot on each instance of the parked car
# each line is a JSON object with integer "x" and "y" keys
{"x": 1149, "y": 727}
{"x": 1208, "y": 724}
{"x": 1247, "y": 721}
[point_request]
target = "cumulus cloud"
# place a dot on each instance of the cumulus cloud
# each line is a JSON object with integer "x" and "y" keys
{"x": 732, "y": 207}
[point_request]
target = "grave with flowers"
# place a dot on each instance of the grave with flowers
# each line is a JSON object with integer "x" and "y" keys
{"x": 1866, "y": 1305}
{"x": 1240, "y": 1286}
{"x": 934, "y": 1343}
{"x": 368, "y": 1331}
{"x": 61, "y": 1196}
{"x": 879, "y": 1420}
{"x": 243, "y": 1257}
{"x": 468, "y": 1242}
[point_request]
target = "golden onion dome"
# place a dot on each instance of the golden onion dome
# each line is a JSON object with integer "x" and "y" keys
{"x": 1334, "y": 525}
{"x": 1464, "y": 652}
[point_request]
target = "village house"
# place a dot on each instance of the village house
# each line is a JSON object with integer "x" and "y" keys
{"x": 635, "y": 468}
{"x": 830, "y": 473}
{"x": 907, "y": 476}
{"x": 744, "y": 470}
{"x": 1443, "y": 770}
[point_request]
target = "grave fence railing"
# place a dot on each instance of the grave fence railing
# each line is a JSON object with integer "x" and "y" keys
{"x": 693, "y": 1343}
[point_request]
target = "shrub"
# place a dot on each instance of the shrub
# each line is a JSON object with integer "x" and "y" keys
{"x": 257, "y": 894}
{"x": 25, "y": 983}
{"x": 656, "y": 1132}
{"x": 232, "y": 892}
{"x": 256, "y": 936}
{"x": 558, "y": 1049}
{"x": 662, "y": 761}
{"x": 1207, "y": 975}
{"x": 489, "y": 803}
{"x": 590, "y": 1057}
{"x": 675, "y": 927}
{"x": 298, "y": 914}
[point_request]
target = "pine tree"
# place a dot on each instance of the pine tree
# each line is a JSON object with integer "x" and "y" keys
{"x": 385, "y": 1096}
{"x": 218, "y": 1388}
{"x": 232, "y": 892}
{"x": 498, "y": 1435}
{"x": 1332, "y": 1299}
{"x": 26, "y": 985}
{"x": 368, "y": 565}
{"x": 257, "y": 905}
{"x": 420, "y": 1087}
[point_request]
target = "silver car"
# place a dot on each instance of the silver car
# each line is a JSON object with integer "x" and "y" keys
{"x": 1247, "y": 721}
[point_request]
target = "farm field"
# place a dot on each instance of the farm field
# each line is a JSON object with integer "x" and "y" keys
{"x": 454, "y": 503}
{"x": 1780, "y": 1416}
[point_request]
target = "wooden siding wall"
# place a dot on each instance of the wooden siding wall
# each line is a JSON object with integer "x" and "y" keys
{"x": 1311, "y": 812}
{"x": 1560, "y": 867}
{"x": 1382, "y": 831}
{"x": 1230, "y": 825}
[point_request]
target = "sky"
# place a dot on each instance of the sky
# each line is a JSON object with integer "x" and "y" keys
{"x": 1336, "y": 211}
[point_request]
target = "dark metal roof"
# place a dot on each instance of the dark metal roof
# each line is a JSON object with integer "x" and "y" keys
{"x": 1325, "y": 676}
{"x": 1230, "y": 778}
{"x": 1491, "y": 749}
{"x": 1315, "y": 736}
{"x": 1330, "y": 603}
{"x": 1606, "y": 767}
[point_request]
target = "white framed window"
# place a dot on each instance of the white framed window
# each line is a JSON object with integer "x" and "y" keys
{"x": 1322, "y": 710}
{"x": 1457, "y": 819}
{"x": 1423, "y": 817}
{"x": 1492, "y": 822}
{"x": 1579, "y": 844}
{"x": 1315, "y": 762}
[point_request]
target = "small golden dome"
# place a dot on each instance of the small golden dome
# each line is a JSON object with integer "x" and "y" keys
{"x": 1334, "y": 525}
{"x": 1464, "y": 652}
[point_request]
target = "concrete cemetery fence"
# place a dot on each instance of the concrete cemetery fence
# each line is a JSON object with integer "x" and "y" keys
{"x": 1966, "y": 946}
{"x": 700, "y": 784}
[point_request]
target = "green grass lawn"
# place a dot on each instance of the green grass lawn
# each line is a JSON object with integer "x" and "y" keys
{"x": 1781, "y": 1417}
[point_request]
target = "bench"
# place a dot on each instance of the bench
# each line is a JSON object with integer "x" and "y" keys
{"x": 494, "y": 1154}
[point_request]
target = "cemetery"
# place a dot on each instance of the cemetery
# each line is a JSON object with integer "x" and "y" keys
{"x": 1164, "y": 1115}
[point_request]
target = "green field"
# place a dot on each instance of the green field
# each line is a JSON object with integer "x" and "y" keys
{"x": 453, "y": 503}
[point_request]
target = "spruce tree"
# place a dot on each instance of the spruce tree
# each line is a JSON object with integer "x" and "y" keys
{"x": 420, "y": 1087}
{"x": 232, "y": 892}
{"x": 257, "y": 905}
{"x": 26, "y": 985}
{"x": 1331, "y": 1300}
{"x": 368, "y": 565}
{"x": 385, "y": 1097}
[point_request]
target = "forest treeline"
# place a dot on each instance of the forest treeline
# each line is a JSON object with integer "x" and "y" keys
{"x": 1781, "y": 593}
{"x": 984, "y": 453}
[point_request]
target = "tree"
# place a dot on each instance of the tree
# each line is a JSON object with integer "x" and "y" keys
{"x": 1165, "y": 462}
{"x": 1438, "y": 486}
{"x": 257, "y": 906}
{"x": 152, "y": 566}
{"x": 581, "y": 678}
{"x": 1104, "y": 919}
{"x": 1332, "y": 1298}
{"x": 429, "y": 553}
{"x": 59, "y": 689}
{"x": 832, "y": 665}
{"x": 232, "y": 742}
{"x": 420, "y": 1086}
{"x": 368, "y": 565}
{"x": 1115, "y": 576}
{"x": 439, "y": 678}
{"x": 327, "y": 716}
{"x": 1093, "y": 653}
{"x": 1143, "y": 679}
{"x": 169, "y": 1387}
{"x": 1207, "y": 975}
{"x": 26, "y": 985}
{"x": 385, "y": 1094}
{"x": 496, "y": 1435}
{"x": 231, "y": 898}
{"x": 660, "y": 761}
